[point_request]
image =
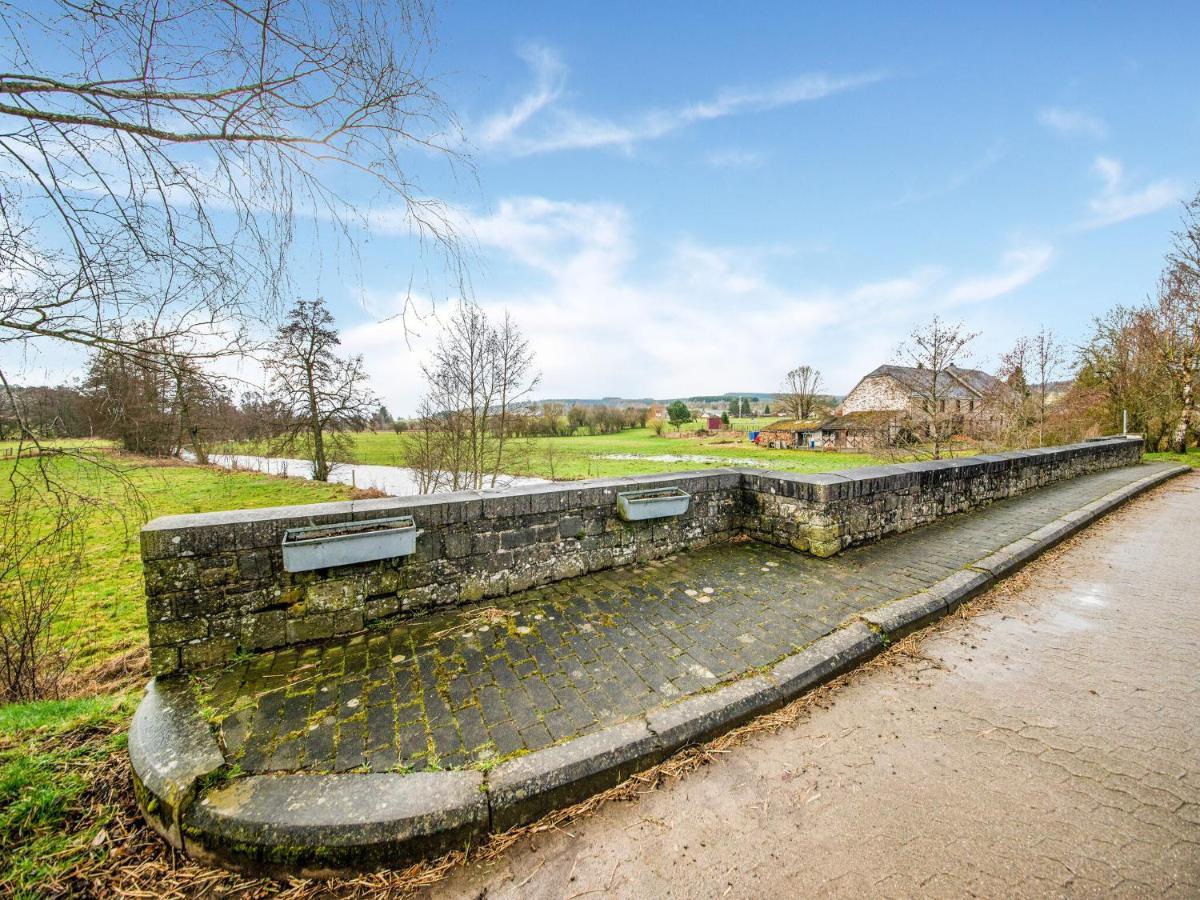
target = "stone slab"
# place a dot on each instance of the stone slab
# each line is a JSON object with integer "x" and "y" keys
{"x": 1008, "y": 559}
{"x": 524, "y": 789}
{"x": 319, "y": 825}
{"x": 901, "y": 618}
{"x": 825, "y": 659}
{"x": 961, "y": 586}
{"x": 705, "y": 715}
{"x": 171, "y": 748}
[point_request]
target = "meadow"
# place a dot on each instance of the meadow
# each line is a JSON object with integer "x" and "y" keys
{"x": 63, "y": 769}
{"x": 637, "y": 451}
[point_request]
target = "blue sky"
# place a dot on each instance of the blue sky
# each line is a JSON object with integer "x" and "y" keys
{"x": 689, "y": 198}
{"x": 679, "y": 198}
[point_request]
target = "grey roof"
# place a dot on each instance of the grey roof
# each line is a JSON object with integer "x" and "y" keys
{"x": 954, "y": 383}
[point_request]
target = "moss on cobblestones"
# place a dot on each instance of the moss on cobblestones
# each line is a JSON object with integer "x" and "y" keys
{"x": 480, "y": 685}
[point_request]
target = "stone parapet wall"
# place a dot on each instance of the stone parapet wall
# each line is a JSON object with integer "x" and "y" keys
{"x": 216, "y": 585}
{"x": 826, "y": 513}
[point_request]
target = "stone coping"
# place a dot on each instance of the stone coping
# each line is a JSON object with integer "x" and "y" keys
{"x": 320, "y": 825}
{"x": 463, "y": 506}
{"x": 217, "y": 584}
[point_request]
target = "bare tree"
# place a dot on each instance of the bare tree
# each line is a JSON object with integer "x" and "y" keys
{"x": 1047, "y": 356}
{"x": 798, "y": 396}
{"x": 514, "y": 377}
{"x": 156, "y": 157}
{"x": 1027, "y": 372}
{"x": 1178, "y": 312}
{"x": 1174, "y": 322}
{"x": 320, "y": 395}
{"x": 933, "y": 348}
{"x": 40, "y": 546}
{"x": 1013, "y": 396}
{"x": 477, "y": 372}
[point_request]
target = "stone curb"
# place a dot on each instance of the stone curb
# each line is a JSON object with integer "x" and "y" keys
{"x": 317, "y": 826}
{"x": 320, "y": 825}
{"x": 171, "y": 748}
{"x": 526, "y": 788}
{"x": 902, "y": 617}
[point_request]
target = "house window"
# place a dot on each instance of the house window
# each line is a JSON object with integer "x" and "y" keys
{"x": 971, "y": 407}
{"x": 958, "y": 406}
{"x": 942, "y": 406}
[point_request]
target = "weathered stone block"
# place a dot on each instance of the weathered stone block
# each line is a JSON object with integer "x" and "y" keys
{"x": 309, "y": 628}
{"x": 457, "y": 544}
{"x": 164, "y": 660}
{"x": 254, "y": 564}
{"x": 177, "y": 631}
{"x": 213, "y": 651}
{"x": 570, "y": 527}
{"x": 264, "y": 630}
{"x": 329, "y": 596}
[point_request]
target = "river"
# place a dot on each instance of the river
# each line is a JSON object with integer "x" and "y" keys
{"x": 395, "y": 481}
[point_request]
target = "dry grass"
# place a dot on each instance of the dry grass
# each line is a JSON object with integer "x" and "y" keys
{"x": 114, "y": 675}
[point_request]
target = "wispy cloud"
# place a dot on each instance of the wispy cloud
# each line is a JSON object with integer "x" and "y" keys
{"x": 1019, "y": 267}
{"x": 549, "y": 80}
{"x": 609, "y": 313}
{"x": 1073, "y": 122}
{"x": 735, "y": 159}
{"x": 540, "y": 122}
{"x": 956, "y": 180}
{"x": 1118, "y": 202}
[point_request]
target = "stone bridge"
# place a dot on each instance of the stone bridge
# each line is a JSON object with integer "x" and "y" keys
{"x": 372, "y": 713}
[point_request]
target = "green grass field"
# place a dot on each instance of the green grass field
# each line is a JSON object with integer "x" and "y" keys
{"x": 63, "y": 770}
{"x": 106, "y": 614}
{"x": 591, "y": 456}
{"x": 1191, "y": 458}
{"x": 60, "y": 762}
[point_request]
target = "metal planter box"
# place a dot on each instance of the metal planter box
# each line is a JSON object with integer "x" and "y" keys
{"x": 657, "y": 503}
{"x": 347, "y": 543}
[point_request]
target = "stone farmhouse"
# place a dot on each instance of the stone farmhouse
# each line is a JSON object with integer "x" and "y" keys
{"x": 891, "y": 403}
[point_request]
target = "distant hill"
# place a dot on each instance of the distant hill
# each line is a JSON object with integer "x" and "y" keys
{"x": 695, "y": 399}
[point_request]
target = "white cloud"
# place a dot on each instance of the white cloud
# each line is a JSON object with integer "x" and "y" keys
{"x": 1019, "y": 267}
{"x": 539, "y": 123}
{"x": 607, "y": 317}
{"x": 735, "y": 159}
{"x": 1117, "y": 202}
{"x": 954, "y": 182}
{"x": 549, "y": 76}
{"x": 1073, "y": 122}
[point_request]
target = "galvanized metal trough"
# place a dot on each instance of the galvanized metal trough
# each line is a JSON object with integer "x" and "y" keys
{"x": 657, "y": 503}
{"x": 346, "y": 543}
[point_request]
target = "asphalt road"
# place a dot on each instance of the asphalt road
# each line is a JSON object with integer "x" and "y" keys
{"x": 1046, "y": 744}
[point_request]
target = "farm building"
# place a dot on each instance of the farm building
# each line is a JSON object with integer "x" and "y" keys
{"x": 907, "y": 389}
{"x": 891, "y": 402}
{"x": 792, "y": 434}
{"x": 713, "y": 423}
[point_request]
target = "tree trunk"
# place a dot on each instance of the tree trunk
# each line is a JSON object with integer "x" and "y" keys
{"x": 320, "y": 465}
{"x": 1179, "y": 438}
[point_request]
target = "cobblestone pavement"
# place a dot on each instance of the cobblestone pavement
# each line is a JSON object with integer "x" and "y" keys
{"x": 1048, "y": 746}
{"x": 476, "y": 684}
